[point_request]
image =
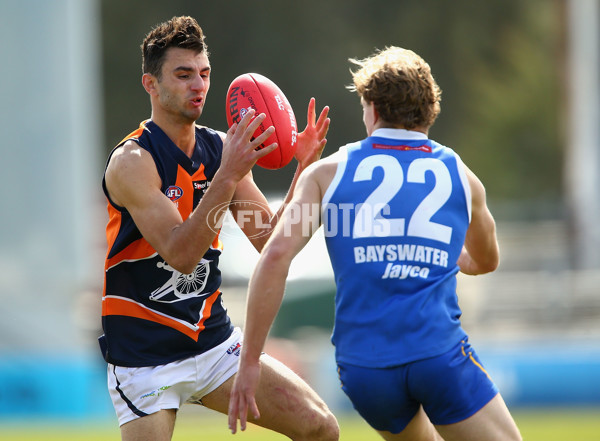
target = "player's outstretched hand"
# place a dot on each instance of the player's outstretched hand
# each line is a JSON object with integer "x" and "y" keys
{"x": 242, "y": 398}
{"x": 311, "y": 141}
{"x": 240, "y": 150}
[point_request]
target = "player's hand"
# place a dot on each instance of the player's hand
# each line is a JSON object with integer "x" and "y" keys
{"x": 311, "y": 141}
{"x": 240, "y": 150}
{"x": 242, "y": 396}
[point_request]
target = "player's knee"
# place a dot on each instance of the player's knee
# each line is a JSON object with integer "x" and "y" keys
{"x": 516, "y": 435}
{"x": 331, "y": 428}
{"x": 323, "y": 427}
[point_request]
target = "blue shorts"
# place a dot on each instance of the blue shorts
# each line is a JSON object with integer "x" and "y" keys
{"x": 451, "y": 387}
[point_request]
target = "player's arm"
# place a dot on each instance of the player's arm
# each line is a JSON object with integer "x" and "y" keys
{"x": 133, "y": 182}
{"x": 480, "y": 253}
{"x": 255, "y": 219}
{"x": 311, "y": 143}
{"x": 299, "y": 221}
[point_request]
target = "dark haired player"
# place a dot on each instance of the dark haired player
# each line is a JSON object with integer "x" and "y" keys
{"x": 167, "y": 337}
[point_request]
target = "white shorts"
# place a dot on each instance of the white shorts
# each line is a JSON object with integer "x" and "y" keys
{"x": 137, "y": 392}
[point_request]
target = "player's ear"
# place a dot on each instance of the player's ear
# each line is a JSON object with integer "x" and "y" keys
{"x": 375, "y": 114}
{"x": 149, "y": 82}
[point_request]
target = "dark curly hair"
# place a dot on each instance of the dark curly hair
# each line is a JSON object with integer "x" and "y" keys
{"x": 400, "y": 85}
{"x": 182, "y": 32}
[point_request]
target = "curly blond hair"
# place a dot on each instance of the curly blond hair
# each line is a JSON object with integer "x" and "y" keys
{"x": 400, "y": 85}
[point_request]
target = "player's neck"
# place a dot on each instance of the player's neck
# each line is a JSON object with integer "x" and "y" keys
{"x": 182, "y": 133}
{"x": 380, "y": 124}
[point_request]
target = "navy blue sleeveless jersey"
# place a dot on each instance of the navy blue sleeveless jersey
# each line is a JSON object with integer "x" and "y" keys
{"x": 151, "y": 313}
{"x": 395, "y": 218}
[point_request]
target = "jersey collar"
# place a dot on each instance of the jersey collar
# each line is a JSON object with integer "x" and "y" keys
{"x": 399, "y": 134}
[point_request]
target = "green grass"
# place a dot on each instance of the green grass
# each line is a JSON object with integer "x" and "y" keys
{"x": 198, "y": 424}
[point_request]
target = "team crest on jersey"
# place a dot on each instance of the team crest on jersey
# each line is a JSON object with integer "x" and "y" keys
{"x": 174, "y": 192}
{"x": 182, "y": 286}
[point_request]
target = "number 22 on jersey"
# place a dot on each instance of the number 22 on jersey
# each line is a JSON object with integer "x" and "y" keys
{"x": 369, "y": 221}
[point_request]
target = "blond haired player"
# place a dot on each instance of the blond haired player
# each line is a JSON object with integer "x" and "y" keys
{"x": 401, "y": 215}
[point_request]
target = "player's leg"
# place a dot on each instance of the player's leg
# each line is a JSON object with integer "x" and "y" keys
{"x": 382, "y": 398}
{"x": 146, "y": 399}
{"x": 460, "y": 397}
{"x": 419, "y": 429}
{"x": 287, "y": 404}
{"x": 492, "y": 423}
{"x": 156, "y": 427}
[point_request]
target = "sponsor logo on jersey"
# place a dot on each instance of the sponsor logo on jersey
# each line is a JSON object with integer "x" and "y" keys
{"x": 174, "y": 192}
{"x": 201, "y": 185}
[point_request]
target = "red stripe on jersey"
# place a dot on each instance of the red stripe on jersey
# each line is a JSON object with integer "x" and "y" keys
{"x": 422, "y": 148}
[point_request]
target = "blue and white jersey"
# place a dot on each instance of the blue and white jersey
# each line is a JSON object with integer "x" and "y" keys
{"x": 395, "y": 218}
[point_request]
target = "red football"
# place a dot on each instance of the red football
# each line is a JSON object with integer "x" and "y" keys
{"x": 252, "y": 90}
